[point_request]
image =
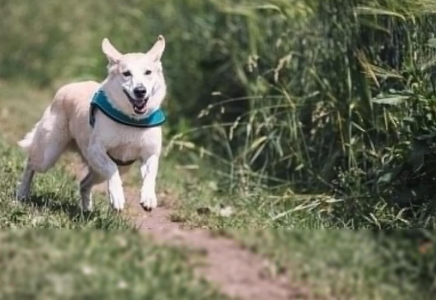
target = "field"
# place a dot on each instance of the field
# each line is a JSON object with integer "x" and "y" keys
{"x": 303, "y": 130}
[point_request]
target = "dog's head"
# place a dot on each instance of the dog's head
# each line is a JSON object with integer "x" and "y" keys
{"x": 135, "y": 83}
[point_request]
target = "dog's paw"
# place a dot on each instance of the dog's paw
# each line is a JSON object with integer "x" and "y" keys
{"x": 117, "y": 202}
{"x": 21, "y": 194}
{"x": 116, "y": 196}
{"x": 87, "y": 204}
{"x": 148, "y": 201}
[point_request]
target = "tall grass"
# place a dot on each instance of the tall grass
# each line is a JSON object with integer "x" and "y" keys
{"x": 338, "y": 98}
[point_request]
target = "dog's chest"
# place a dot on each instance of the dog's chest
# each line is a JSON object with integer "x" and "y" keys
{"x": 126, "y": 144}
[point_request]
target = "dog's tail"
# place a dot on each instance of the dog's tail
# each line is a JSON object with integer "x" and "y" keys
{"x": 27, "y": 141}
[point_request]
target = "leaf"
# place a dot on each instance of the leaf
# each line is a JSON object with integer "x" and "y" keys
{"x": 417, "y": 155}
{"x": 426, "y": 136}
{"x": 386, "y": 178}
{"x": 268, "y": 7}
{"x": 394, "y": 100}
{"x": 256, "y": 143}
{"x": 378, "y": 12}
{"x": 432, "y": 42}
{"x": 389, "y": 175}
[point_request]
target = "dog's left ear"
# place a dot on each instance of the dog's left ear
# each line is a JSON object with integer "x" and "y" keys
{"x": 158, "y": 49}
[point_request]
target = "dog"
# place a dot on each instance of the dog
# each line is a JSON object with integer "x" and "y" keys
{"x": 110, "y": 124}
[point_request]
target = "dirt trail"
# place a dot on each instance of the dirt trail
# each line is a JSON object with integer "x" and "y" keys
{"x": 235, "y": 271}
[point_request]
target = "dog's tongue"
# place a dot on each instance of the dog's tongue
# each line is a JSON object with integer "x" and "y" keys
{"x": 140, "y": 108}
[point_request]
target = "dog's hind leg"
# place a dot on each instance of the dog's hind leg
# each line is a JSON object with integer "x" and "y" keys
{"x": 44, "y": 145}
{"x": 26, "y": 181}
{"x": 47, "y": 141}
{"x": 86, "y": 185}
{"x": 48, "y": 157}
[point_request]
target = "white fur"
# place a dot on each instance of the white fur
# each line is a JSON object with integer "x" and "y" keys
{"x": 66, "y": 123}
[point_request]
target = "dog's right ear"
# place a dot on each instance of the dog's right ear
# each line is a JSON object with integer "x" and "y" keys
{"x": 112, "y": 54}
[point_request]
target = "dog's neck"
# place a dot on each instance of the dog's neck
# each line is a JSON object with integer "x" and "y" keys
{"x": 101, "y": 102}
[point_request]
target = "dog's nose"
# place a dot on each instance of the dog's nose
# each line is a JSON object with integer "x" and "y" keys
{"x": 140, "y": 91}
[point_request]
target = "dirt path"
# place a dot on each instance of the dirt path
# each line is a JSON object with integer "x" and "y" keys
{"x": 236, "y": 271}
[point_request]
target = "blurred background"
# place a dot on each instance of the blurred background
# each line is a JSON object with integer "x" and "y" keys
{"x": 328, "y": 107}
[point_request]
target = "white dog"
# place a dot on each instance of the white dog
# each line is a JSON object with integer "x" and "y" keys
{"x": 111, "y": 125}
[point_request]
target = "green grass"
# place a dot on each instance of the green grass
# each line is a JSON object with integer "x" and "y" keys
{"x": 204, "y": 196}
{"x": 340, "y": 263}
{"x": 349, "y": 264}
{"x": 41, "y": 264}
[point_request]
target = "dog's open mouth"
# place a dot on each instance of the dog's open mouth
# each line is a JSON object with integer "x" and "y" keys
{"x": 140, "y": 108}
{"x": 139, "y": 105}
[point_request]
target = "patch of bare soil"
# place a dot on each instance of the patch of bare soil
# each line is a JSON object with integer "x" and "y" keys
{"x": 235, "y": 271}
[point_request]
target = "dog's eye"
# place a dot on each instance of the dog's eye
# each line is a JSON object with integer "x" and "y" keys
{"x": 148, "y": 72}
{"x": 127, "y": 74}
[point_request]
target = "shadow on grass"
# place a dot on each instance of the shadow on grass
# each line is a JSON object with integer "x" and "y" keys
{"x": 61, "y": 207}
{"x": 52, "y": 202}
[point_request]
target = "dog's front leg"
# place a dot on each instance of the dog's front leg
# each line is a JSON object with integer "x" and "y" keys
{"x": 101, "y": 163}
{"x": 149, "y": 167}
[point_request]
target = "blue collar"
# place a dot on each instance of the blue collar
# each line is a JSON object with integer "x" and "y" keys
{"x": 101, "y": 101}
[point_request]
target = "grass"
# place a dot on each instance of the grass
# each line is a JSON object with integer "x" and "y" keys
{"x": 205, "y": 196}
{"x": 336, "y": 264}
{"x": 346, "y": 264}
{"x": 41, "y": 264}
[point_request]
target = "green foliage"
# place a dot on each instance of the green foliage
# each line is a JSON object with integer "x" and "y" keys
{"x": 47, "y": 264}
{"x": 334, "y": 97}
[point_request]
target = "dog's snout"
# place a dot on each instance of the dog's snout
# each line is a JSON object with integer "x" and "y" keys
{"x": 140, "y": 91}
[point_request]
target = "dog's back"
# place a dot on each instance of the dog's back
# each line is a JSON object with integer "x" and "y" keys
{"x": 51, "y": 135}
